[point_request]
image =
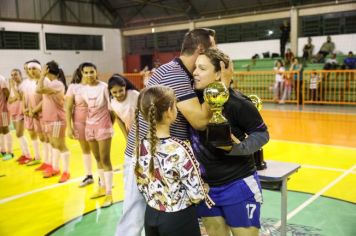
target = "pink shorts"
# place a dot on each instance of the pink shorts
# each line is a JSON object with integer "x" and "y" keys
{"x": 17, "y": 117}
{"x": 55, "y": 129}
{"x": 79, "y": 130}
{"x": 4, "y": 119}
{"x": 95, "y": 133}
{"x": 33, "y": 124}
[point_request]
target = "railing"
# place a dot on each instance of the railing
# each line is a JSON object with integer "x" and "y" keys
{"x": 332, "y": 86}
{"x": 314, "y": 87}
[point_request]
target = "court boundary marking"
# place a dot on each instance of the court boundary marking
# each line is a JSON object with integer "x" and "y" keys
{"x": 25, "y": 194}
{"x": 316, "y": 195}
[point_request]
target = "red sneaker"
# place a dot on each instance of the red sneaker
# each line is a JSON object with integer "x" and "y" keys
{"x": 25, "y": 160}
{"x": 50, "y": 173}
{"x": 20, "y": 158}
{"x": 65, "y": 176}
{"x": 42, "y": 167}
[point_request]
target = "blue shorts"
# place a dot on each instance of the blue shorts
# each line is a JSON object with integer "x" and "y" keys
{"x": 239, "y": 203}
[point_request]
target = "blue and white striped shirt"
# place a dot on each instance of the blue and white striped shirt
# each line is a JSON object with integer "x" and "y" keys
{"x": 176, "y": 76}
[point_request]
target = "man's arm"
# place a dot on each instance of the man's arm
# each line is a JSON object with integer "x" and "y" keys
{"x": 197, "y": 114}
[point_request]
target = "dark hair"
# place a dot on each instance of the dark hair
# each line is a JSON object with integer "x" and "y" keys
{"x": 280, "y": 61}
{"x": 119, "y": 80}
{"x": 152, "y": 103}
{"x": 196, "y": 37}
{"x": 77, "y": 75}
{"x": 215, "y": 56}
{"x": 87, "y": 64}
{"x": 18, "y": 70}
{"x": 53, "y": 68}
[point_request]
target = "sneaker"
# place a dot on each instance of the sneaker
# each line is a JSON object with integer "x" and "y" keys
{"x": 7, "y": 156}
{"x": 99, "y": 192}
{"x": 2, "y": 154}
{"x": 34, "y": 162}
{"x": 65, "y": 176}
{"x": 25, "y": 160}
{"x": 20, "y": 158}
{"x": 42, "y": 167}
{"x": 86, "y": 181}
{"x": 50, "y": 173}
{"x": 107, "y": 201}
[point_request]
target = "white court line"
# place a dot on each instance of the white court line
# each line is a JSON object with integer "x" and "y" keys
{"x": 315, "y": 196}
{"x": 325, "y": 168}
{"x": 318, "y": 144}
{"x": 9, "y": 199}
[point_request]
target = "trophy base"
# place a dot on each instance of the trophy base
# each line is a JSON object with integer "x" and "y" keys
{"x": 219, "y": 135}
{"x": 259, "y": 160}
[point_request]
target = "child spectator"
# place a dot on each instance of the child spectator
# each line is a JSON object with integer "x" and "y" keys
{"x": 279, "y": 81}
{"x": 313, "y": 87}
{"x": 166, "y": 171}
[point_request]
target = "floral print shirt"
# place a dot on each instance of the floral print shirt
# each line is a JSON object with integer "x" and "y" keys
{"x": 175, "y": 183}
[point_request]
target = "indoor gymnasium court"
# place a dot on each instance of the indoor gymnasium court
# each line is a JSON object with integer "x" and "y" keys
{"x": 297, "y": 56}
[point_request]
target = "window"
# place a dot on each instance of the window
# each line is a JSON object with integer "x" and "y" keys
{"x": 19, "y": 40}
{"x": 74, "y": 42}
{"x": 329, "y": 24}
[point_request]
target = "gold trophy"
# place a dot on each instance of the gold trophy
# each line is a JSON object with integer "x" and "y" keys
{"x": 218, "y": 132}
{"x": 258, "y": 155}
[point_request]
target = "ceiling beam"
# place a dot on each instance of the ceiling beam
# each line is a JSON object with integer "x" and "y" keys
{"x": 50, "y": 9}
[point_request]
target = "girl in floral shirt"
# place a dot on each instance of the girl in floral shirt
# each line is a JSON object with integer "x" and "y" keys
{"x": 166, "y": 170}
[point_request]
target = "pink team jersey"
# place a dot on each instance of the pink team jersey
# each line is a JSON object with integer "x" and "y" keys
{"x": 15, "y": 108}
{"x": 97, "y": 99}
{"x": 53, "y": 104}
{"x": 3, "y": 100}
{"x": 125, "y": 110}
{"x": 80, "y": 109}
{"x": 28, "y": 88}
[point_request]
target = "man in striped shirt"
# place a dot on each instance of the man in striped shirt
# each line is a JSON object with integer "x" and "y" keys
{"x": 176, "y": 74}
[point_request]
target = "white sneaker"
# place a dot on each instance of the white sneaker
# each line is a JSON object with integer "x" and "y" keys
{"x": 86, "y": 181}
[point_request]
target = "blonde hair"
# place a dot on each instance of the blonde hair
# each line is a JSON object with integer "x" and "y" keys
{"x": 152, "y": 103}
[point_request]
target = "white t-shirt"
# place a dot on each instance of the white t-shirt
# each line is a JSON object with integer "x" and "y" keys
{"x": 279, "y": 77}
{"x": 125, "y": 110}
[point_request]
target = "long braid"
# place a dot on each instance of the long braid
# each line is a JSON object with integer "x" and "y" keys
{"x": 137, "y": 138}
{"x": 152, "y": 136}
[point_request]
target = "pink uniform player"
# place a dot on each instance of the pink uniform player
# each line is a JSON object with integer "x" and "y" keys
{"x": 76, "y": 114}
{"x": 98, "y": 130}
{"x": 52, "y": 87}
{"x": 124, "y": 101}
{"x": 5, "y": 135}
{"x": 15, "y": 108}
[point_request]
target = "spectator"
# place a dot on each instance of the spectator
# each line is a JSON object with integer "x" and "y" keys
{"x": 314, "y": 81}
{"x": 288, "y": 57}
{"x": 296, "y": 70}
{"x": 308, "y": 50}
{"x": 279, "y": 81}
{"x": 284, "y": 38}
{"x": 349, "y": 62}
{"x": 326, "y": 48}
{"x": 331, "y": 63}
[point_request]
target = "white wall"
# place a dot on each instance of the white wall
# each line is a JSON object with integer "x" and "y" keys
{"x": 107, "y": 61}
{"x": 245, "y": 50}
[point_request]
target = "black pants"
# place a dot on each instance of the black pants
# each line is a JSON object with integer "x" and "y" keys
{"x": 181, "y": 223}
{"x": 283, "y": 42}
